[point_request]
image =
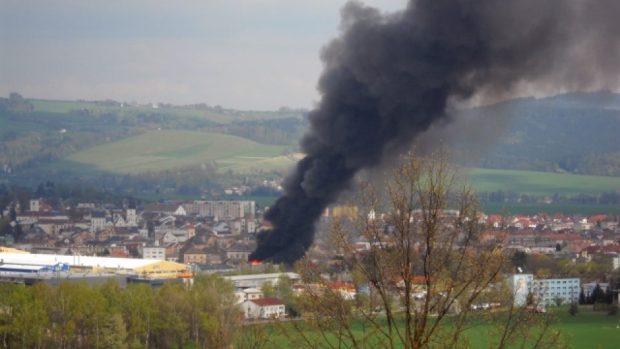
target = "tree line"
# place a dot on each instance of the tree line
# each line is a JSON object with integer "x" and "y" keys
{"x": 76, "y": 315}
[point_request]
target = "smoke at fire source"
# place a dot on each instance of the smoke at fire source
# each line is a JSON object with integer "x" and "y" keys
{"x": 389, "y": 77}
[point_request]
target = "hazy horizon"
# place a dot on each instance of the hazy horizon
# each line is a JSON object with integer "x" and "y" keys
{"x": 261, "y": 54}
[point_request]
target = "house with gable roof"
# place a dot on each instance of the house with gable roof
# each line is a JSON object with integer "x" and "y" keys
{"x": 264, "y": 308}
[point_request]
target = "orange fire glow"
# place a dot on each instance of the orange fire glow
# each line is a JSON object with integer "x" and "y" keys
{"x": 255, "y": 262}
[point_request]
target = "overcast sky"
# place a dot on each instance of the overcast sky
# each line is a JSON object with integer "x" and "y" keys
{"x": 247, "y": 54}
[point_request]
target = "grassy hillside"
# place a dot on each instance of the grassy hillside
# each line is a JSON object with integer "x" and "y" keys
{"x": 169, "y": 149}
{"x": 213, "y": 114}
{"x": 540, "y": 183}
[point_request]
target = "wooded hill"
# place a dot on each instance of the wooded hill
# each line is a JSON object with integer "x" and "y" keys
{"x": 572, "y": 133}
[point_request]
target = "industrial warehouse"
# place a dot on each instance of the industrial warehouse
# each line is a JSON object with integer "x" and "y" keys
{"x": 20, "y": 266}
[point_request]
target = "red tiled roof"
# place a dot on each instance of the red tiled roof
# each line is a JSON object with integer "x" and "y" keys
{"x": 341, "y": 285}
{"x": 597, "y": 218}
{"x": 419, "y": 280}
{"x": 264, "y": 302}
{"x": 614, "y": 248}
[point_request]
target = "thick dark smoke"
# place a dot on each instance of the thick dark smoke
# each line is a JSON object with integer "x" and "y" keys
{"x": 388, "y": 78}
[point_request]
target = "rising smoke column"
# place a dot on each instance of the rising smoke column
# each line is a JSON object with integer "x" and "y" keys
{"x": 388, "y": 77}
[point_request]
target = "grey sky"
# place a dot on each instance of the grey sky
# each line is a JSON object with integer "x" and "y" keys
{"x": 249, "y": 54}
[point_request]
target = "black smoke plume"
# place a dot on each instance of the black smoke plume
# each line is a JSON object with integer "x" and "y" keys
{"x": 388, "y": 77}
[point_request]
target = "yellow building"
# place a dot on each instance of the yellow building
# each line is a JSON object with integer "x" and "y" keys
{"x": 4, "y": 249}
{"x": 343, "y": 211}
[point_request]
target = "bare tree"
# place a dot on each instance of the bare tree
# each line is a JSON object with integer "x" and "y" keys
{"x": 425, "y": 269}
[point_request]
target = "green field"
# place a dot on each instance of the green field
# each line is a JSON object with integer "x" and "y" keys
{"x": 588, "y": 329}
{"x": 540, "y": 183}
{"x": 16, "y": 127}
{"x": 169, "y": 149}
{"x": 63, "y": 106}
{"x": 215, "y": 114}
{"x": 529, "y": 209}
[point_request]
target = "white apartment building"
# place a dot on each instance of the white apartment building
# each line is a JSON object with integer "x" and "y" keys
{"x": 223, "y": 210}
{"x": 97, "y": 221}
{"x": 158, "y": 253}
{"x": 132, "y": 217}
{"x": 520, "y": 285}
{"x": 545, "y": 291}
{"x": 35, "y": 205}
{"x": 548, "y": 291}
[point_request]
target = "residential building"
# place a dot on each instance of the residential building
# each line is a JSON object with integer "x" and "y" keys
{"x": 132, "y": 217}
{"x": 544, "y": 291}
{"x": 520, "y": 285}
{"x": 195, "y": 255}
{"x": 154, "y": 252}
{"x": 223, "y": 210}
{"x": 252, "y": 293}
{"x": 264, "y": 308}
{"x": 239, "y": 252}
{"x": 551, "y": 291}
{"x": 97, "y": 221}
{"x": 35, "y": 205}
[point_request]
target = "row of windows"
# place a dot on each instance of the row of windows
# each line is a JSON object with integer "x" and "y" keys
{"x": 559, "y": 294}
{"x": 570, "y": 281}
{"x": 552, "y": 288}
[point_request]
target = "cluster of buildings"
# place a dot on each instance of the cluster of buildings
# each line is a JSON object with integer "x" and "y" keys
{"x": 249, "y": 292}
{"x": 174, "y": 240}
{"x": 557, "y": 235}
{"x": 211, "y": 234}
{"x": 560, "y": 236}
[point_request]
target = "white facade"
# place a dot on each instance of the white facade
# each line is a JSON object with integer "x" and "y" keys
{"x": 520, "y": 285}
{"x": 264, "y": 308}
{"x": 224, "y": 210}
{"x": 548, "y": 291}
{"x": 97, "y": 223}
{"x": 252, "y": 293}
{"x": 545, "y": 291}
{"x": 132, "y": 217}
{"x": 119, "y": 221}
{"x": 250, "y": 226}
{"x": 180, "y": 211}
{"x": 35, "y": 205}
{"x": 154, "y": 253}
{"x": 173, "y": 235}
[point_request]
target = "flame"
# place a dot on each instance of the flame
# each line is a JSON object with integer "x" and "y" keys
{"x": 255, "y": 262}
